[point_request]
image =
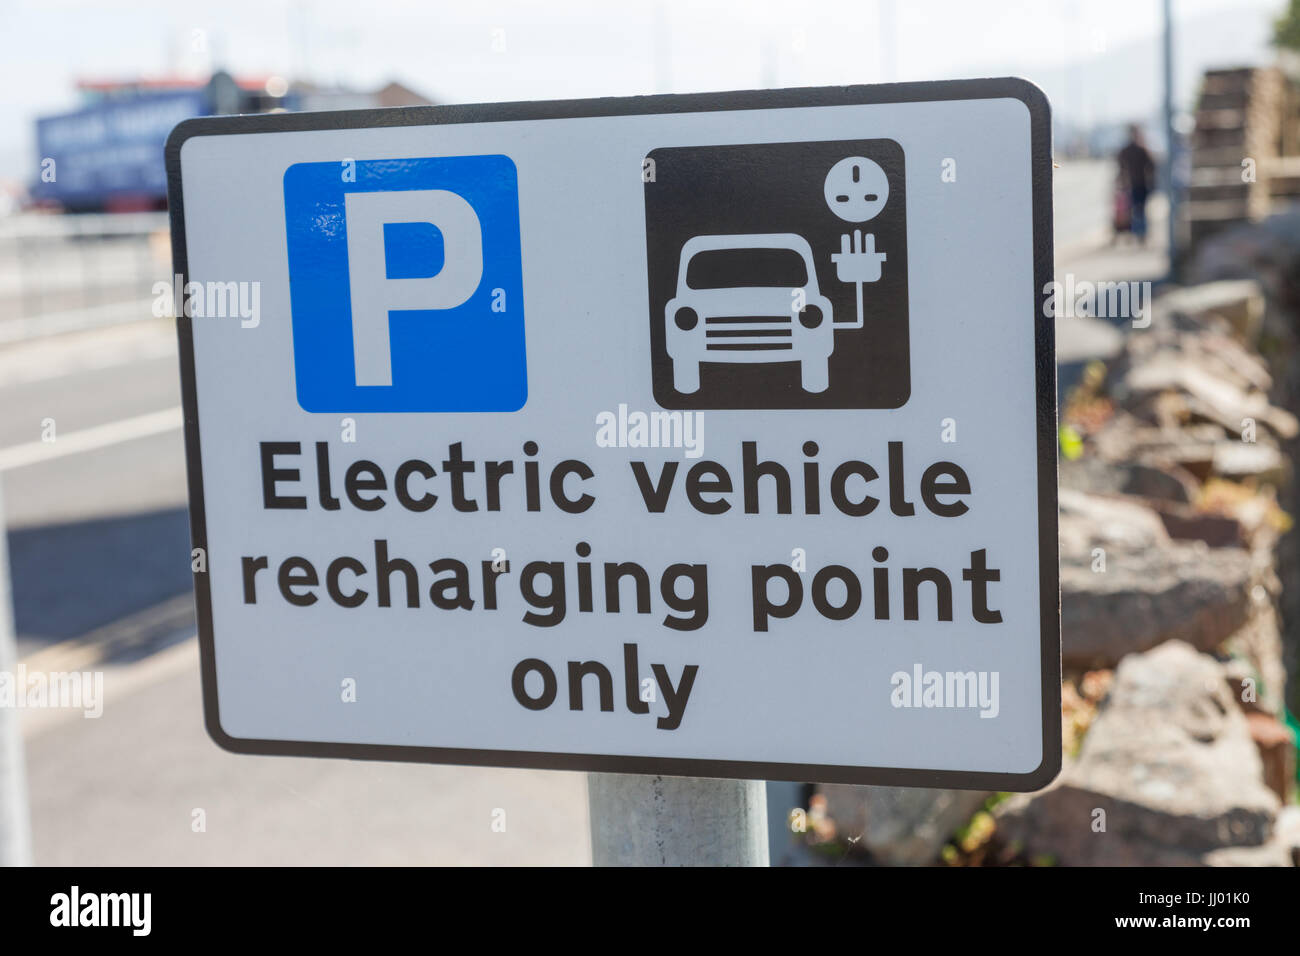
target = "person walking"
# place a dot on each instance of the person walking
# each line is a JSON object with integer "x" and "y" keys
{"x": 1137, "y": 172}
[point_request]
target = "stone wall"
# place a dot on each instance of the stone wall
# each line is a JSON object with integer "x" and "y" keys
{"x": 1179, "y": 580}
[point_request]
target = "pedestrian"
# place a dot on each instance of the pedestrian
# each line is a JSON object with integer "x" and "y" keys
{"x": 1137, "y": 172}
{"x": 1120, "y": 220}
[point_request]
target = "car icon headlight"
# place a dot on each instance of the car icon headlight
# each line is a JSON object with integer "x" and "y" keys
{"x": 810, "y": 317}
{"x": 686, "y": 318}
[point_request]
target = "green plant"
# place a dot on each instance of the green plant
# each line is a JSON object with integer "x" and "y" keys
{"x": 1286, "y": 28}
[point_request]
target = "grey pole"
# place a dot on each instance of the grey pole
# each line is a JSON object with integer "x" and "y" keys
{"x": 676, "y": 821}
{"x": 15, "y": 826}
{"x": 1171, "y": 141}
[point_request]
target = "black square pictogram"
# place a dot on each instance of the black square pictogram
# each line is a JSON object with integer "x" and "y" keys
{"x": 778, "y": 275}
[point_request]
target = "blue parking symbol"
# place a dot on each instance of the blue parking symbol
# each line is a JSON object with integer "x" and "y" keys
{"x": 406, "y": 285}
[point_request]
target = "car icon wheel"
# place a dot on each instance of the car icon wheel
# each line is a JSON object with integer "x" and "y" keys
{"x": 686, "y": 376}
{"x": 815, "y": 374}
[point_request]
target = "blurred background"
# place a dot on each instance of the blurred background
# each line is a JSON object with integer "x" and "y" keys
{"x": 1177, "y": 142}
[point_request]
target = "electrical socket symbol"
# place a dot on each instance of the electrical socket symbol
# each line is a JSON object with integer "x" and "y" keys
{"x": 856, "y": 189}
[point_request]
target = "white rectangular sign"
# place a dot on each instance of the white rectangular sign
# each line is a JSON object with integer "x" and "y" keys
{"x": 708, "y": 435}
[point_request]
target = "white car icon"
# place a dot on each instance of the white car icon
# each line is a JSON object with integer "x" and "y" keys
{"x": 738, "y": 300}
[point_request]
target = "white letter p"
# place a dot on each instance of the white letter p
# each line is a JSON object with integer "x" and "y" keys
{"x": 374, "y": 295}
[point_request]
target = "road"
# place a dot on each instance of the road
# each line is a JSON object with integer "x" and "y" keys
{"x": 99, "y": 545}
{"x": 134, "y": 786}
{"x": 1081, "y": 193}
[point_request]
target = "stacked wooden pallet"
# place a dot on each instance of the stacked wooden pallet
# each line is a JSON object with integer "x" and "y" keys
{"x": 1235, "y": 147}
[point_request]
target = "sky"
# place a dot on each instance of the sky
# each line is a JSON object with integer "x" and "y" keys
{"x": 1098, "y": 60}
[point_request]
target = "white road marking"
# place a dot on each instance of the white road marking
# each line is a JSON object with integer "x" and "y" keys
{"x": 89, "y": 439}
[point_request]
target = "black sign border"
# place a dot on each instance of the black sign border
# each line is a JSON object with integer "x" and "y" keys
{"x": 1045, "y": 367}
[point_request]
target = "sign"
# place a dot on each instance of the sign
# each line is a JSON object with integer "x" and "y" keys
{"x": 708, "y": 435}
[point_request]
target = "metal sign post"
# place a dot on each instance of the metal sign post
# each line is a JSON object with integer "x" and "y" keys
{"x": 676, "y": 821}
{"x": 15, "y": 825}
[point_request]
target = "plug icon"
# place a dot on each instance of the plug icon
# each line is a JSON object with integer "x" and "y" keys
{"x": 858, "y": 261}
{"x": 856, "y": 189}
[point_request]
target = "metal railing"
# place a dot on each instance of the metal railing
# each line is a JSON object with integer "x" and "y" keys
{"x": 72, "y": 271}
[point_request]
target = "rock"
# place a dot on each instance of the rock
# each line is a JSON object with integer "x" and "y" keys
{"x": 1160, "y": 478}
{"x": 1224, "y": 356}
{"x": 1255, "y": 666}
{"x": 1209, "y": 346}
{"x": 1170, "y": 763}
{"x": 900, "y": 826}
{"x": 1207, "y": 395}
{"x": 1261, "y": 248}
{"x": 1097, "y": 521}
{"x": 1276, "y": 749}
{"x": 1196, "y": 459}
{"x": 1187, "y": 524}
{"x": 1237, "y": 672}
{"x": 1239, "y": 459}
{"x": 1146, "y": 596}
{"x": 1229, "y": 458}
{"x": 1126, "y": 586}
{"x": 1239, "y": 302}
{"x": 1127, "y": 438}
{"x": 1165, "y": 481}
{"x": 1287, "y": 832}
{"x": 1257, "y": 513}
{"x": 1272, "y": 853}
